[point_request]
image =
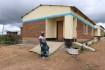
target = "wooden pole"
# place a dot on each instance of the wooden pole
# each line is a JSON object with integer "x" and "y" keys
{"x": 2, "y": 30}
{"x": 2, "y": 33}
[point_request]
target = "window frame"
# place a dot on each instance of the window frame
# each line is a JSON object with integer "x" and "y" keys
{"x": 85, "y": 29}
{"x": 92, "y": 31}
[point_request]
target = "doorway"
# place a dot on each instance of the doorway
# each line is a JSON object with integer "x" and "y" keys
{"x": 60, "y": 31}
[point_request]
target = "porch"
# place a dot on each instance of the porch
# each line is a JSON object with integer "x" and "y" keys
{"x": 61, "y": 28}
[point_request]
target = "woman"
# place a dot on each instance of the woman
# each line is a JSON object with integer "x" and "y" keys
{"x": 44, "y": 46}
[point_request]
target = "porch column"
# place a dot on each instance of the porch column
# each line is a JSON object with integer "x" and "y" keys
{"x": 68, "y": 30}
{"x": 68, "y": 27}
{"x": 74, "y": 28}
{"x": 99, "y": 32}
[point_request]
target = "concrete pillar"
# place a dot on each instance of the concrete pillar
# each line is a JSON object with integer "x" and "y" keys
{"x": 74, "y": 28}
{"x": 68, "y": 27}
{"x": 99, "y": 32}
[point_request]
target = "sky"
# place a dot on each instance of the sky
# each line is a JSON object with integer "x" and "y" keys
{"x": 12, "y": 10}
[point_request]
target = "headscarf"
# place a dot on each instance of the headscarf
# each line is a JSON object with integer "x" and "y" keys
{"x": 41, "y": 32}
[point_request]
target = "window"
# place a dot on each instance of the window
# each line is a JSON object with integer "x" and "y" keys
{"x": 92, "y": 31}
{"x": 85, "y": 29}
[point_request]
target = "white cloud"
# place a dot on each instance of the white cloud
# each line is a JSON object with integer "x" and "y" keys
{"x": 9, "y": 27}
{"x": 1, "y": 27}
{"x": 11, "y": 13}
{"x": 102, "y": 24}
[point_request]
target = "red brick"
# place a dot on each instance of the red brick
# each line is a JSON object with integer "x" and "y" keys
{"x": 32, "y": 29}
{"x": 80, "y": 33}
{"x": 102, "y": 33}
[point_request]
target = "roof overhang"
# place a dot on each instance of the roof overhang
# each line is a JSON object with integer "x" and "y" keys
{"x": 43, "y": 5}
{"x": 75, "y": 9}
{"x": 64, "y": 6}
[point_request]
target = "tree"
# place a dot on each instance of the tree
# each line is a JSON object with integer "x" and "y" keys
{"x": 104, "y": 34}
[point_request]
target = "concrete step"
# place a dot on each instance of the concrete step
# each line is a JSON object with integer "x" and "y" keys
{"x": 72, "y": 51}
{"x": 53, "y": 46}
{"x": 80, "y": 45}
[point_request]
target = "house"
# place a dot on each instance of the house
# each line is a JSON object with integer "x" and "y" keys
{"x": 10, "y": 33}
{"x": 99, "y": 31}
{"x": 60, "y": 23}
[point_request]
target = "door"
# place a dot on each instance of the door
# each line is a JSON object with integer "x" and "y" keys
{"x": 60, "y": 30}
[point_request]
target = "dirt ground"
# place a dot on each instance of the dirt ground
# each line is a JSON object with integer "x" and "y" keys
{"x": 16, "y": 57}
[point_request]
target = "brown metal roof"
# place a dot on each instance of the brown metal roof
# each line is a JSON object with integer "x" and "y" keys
{"x": 102, "y": 27}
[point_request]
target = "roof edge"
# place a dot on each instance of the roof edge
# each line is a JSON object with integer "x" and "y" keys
{"x": 59, "y": 5}
{"x": 54, "y": 5}
{"x": 30, "y": 11}
{"x": 44, "y": 5}
{"x": 101, "y": 26}
{"x": 83, "y": 14}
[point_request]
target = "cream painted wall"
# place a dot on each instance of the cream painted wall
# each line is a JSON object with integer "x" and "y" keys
{"x": 68, "y": 29}
{"x": 74, "y": 27}
{"x": 69, "y": 25}
{"x": 42, "y": 11}
{"x": 96, "y": 33}
{"x": 98, "y": 30}
{"x": 80, "y": 15}
{"x": 59, "y": 19}
{"x": 51, "y": 27}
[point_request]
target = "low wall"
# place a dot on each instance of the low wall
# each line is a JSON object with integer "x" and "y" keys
{"x": 82, "y": 40}
{"x": 93, "y": 41}
{"x": 27, "y": 40}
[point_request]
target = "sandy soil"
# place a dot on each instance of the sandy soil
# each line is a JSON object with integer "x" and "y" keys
{"x": 16, "y": 57}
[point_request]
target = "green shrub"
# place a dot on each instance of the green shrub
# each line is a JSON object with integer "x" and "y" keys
{"x": 104, "y": 34}
{"x": 90, "y": 67}
{"x": 86, "y": 43}
{"x": 82, "y": 49}
{"x": 93, "y": 41}
{"x": 9, "y": 39}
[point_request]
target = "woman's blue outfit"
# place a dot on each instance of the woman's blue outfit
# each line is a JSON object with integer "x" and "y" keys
{"x": 44, "y": 48}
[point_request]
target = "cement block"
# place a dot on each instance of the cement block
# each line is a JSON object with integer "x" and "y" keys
{"x": 53, "y": 46}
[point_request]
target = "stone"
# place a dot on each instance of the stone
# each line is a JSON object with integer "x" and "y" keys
{"x": 72, "y": 51}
